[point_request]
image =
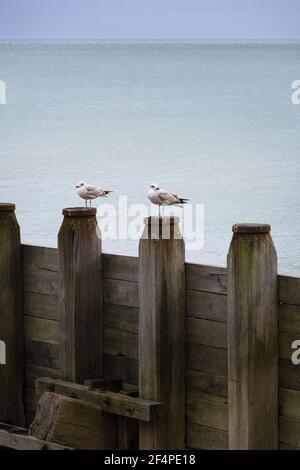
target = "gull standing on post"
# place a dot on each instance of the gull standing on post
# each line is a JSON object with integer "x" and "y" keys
{"x": 164, "y": 198}
{"x": 88, "y": 192}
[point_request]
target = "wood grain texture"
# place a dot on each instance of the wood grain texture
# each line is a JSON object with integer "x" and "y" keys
{"x": 41, "y": 305}
{"x": 206, "y": 278}
{"x": 41, "y": 329}
{"x": 204, "y": 437}
{"x": 119, "y": 292}
{"x": 40, "y": 258}
{"x": 15, "y": 438}
{"x": 289, "y": 290}
{"x": 11, "y": 320}
{"x": 74, "y": 423}
{"x": 80, "y": 298}
{"x": 252, "y": 342}
{"x": 115, "y": 403}
{"x": 120, "y": 267}
{"x": 162, "y": 336}
{"x": 206, "y": 305}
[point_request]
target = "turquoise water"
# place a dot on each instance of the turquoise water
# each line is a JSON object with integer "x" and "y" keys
{"x": 214, "y": 122}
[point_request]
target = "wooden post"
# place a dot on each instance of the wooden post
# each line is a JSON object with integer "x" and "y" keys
{"x": 80, "y": 295}
{"x": 11, "y": 319}
{"x": 252, "y": 339}
{"x": 162, "y": 331}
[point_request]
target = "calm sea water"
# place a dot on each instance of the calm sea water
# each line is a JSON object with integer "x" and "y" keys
{"x": 213, "y": 122}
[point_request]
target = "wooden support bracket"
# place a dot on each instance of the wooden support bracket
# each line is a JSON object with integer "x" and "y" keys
{"x": 111, "y": 402}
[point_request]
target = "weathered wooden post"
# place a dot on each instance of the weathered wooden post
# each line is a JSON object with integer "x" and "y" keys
{"x": 80, "y": 295}
{"x": 162, "y": 331}
{"x": 252, "y": 338}
{"x": 11, "y": 319}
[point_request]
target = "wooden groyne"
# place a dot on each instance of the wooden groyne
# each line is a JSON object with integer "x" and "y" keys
{"x": 148, "y": 341}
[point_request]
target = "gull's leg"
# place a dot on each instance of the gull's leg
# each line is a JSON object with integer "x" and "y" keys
{"x": 163, "y": 210}
{"x": 90, "y": 203}
{"x": 86, "y": 204}
{"x": 159, "y": 210}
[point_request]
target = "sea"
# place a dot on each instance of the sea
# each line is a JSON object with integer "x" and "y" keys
{"x": 215, "y": 122}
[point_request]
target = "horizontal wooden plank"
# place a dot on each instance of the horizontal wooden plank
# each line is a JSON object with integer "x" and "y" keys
{"x": 197, "y": 381}
{"x": 111, "y": 402}
{"x": 41, "y": 305}
{"x": 116, "y": 342}
{"x": 120, "y": 267}
{"x": 289, "y": 403}
{"x": 207, "y": 410}
{"x": 120, "y": 292}
{"x": 204, "y": 437}
{"x": 207, "y": 359}
{"x": 289, "y": 290}
{"x": 289, "y": 431}
{"x": 121, "y": 367}
{"x": 34, "y": 371}
{"x": 42, "y": 354}
{"x": 206, "y": 278}
{"x": 289, "y": 318}
{"x": 289, "y": 374}
{"x": 41, "y": 329}
{"x": 121, "y": 318}
{"x": 16, "y": 438}
{"x": 39, "y": 257}
{"x": 206, "y": 305}
{"x": 40, "y": 282}
{"x": 287, "y": 447}
{"x": 206, "y": 332}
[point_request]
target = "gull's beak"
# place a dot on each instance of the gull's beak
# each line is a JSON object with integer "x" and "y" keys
{"x": 76, "y": 187}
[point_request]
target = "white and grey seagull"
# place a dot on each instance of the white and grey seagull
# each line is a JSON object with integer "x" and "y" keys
{"x": 164, "y": 198}
{"x": 88, "y": 192}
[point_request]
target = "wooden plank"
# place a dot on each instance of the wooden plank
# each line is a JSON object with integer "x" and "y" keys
{"x": 207, "y": 410}
{"x": 287, "y": 447}
{"x": 80, "y": 295}
{"x": 162, "y": 331}
{"x": 289, "y": 290}
{"x": 40, "y": 281}
{"x": 121, "y": 367}
{"x": 252, "y": 339}
{"x": 289, "y": 318}
{"x": 11, "y": 319}
{"x": 289, "y": 431}
{"x": 42, "y": 354}
{"x": 75, "y": 423}
{"x": 120, "y": 292}
{"x": 206, "y": 278}
{"x": 15, "y": 438}
{"x": 39, "y": 257}
{"x": 289, "y": 375}
{"x": 289, "y": 403}
{"x": 41, "y": 329}
{"x": 120, "y": 267}
{"x": 121, "y": 318}
{"x": 41, "y": 305}
{"x": 117, "y": 342}
{"x": 206, "y": 332}
{"x": 197, "y": 381}
{"x": 204, "y": 437}
{"x": 206, "y": 305}
{"x": 207, "y": 359}
{"x": 111, "y": 402}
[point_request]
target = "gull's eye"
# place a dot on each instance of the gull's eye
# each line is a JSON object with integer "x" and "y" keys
{"x": 82, "y": 184}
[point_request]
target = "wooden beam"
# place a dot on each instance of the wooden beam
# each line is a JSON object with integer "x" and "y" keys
{"x": 12, "y": 437}
{"x": 80, "y": 295}
{"x": 11, "y": 319}
{"x": 115, "y": 403}
{"x": 162, "y": 331}
{"x": 252, "y": 339}
{"x": 75, "y": 423}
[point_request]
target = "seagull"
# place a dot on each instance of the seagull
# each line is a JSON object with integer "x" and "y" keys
{"x": 164, "y": 198}
{"x": 88, "y": 192}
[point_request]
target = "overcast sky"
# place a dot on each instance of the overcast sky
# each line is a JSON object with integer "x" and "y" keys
{"x": 150, "y": 19}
